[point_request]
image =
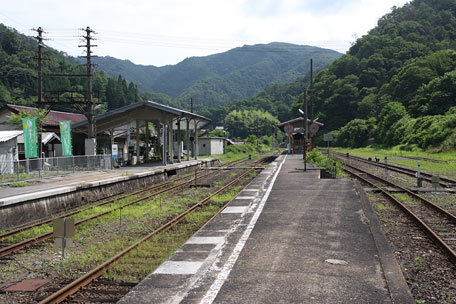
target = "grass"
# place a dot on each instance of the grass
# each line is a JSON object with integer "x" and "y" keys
{"x": 371, "y": 152}
{"x": 323, "y": 161}
{"x": 381, "y": 207}
{"x": 149, "y": 255}
{"x": 19, "y": 184}
{"x": 440, "y": 163}
{"x": 241, "y": 151}
{"x": 96, "y": 240}
{"x": 226, "y": 195}
{"x": 419, "y": 262}
{"x": 132, "y": 222}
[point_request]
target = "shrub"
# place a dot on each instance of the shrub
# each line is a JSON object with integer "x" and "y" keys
{"x": 323, "y": 161}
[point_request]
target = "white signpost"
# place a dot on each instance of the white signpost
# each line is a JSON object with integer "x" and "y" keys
{"x": 63, "y": 231}
{"x": 328, "y": 137}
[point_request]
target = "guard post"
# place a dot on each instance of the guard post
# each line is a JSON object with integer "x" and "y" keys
{"x": 435, "y": 182}
{"x": 386, "y": 165}
{"x": 418, "y": 177}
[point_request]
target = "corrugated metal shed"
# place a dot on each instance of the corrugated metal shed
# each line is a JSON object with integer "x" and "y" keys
{"x": 8, "y": 135}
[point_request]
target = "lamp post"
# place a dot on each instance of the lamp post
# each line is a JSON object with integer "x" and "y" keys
{"x": 306, "y": 132}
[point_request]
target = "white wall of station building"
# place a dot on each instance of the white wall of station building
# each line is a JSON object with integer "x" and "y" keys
{"x": 211, "y": 145}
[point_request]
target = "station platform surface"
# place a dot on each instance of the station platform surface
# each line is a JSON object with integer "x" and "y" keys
{"x": 288, "y": 237}
{"x": 60, "y": 184}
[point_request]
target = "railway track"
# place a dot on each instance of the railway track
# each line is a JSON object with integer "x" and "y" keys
{"x": 99, "y": 203}
{"x": 109, "y": 292}
{"x": 150, "y": 192}
{"x": 444, "y": 181}
{"x": 438, "y": 223}
{"x": 95, "y": 292}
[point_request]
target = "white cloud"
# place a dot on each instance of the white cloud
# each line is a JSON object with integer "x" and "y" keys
{"x": 167, "y": 31}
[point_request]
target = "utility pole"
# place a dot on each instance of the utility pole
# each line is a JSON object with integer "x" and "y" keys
{"x": 90, "y": 104}
{"x": 52, "y": 98}
{"x": 40, "y": 103}
{"x": 311, "y": 103}
{"x": 188, "y": 131}
{"x": 40, "y": 39}
{"x": 306, "y": 132}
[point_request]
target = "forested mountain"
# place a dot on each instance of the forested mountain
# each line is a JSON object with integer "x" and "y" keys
{"x": 280, "y": 100}
{"x": 217, "y": 79}
{"x": 396, "y": 84}
{"x": 18, "y": 75}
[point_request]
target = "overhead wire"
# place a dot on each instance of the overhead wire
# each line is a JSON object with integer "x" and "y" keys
{"x": 60, "y": 35}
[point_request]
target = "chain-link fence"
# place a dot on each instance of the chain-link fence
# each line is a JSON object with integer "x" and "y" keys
{"x": 37, "y": 168}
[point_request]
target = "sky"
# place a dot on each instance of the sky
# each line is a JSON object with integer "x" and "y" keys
{"x": 161, "y": 32}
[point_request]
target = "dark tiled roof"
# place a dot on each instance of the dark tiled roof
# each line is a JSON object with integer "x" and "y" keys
{"x": 53, "y": 117}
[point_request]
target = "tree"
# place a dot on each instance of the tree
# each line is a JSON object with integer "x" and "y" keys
{"x": 355, "y": 133}
{"x": 16, "y": 119}
{"x": 436, "y": 97}
{"x": 242, "y": 123}
{"x": 390, "y": 114}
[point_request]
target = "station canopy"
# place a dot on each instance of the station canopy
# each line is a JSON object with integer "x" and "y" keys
{"x": 143, "y": 111}
{"x": 297, "y": 125}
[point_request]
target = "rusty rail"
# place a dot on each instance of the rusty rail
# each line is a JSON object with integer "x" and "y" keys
{"x": 428, "y": 230}
{"x": 444, "y": 181}
{"x": 73, "y": 287}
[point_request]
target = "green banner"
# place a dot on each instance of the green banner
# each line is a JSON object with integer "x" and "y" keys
{"x": 65, "y": 138}
{"x": 29, "y": 128}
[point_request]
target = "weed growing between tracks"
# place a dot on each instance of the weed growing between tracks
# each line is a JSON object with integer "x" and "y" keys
{"x": 123, "y": 228}
{"x": 88, "y": 212}
{"x": 444, "y": 200}
{"x": 149, "y": 255}
{"x": 102, "y": 238}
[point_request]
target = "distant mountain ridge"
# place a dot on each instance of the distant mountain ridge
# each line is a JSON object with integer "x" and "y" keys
{"x": 216, "y": 79}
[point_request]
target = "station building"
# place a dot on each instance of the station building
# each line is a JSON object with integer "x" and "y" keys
{"x": 295, "y": 129}
{"x": 143, "y": 132}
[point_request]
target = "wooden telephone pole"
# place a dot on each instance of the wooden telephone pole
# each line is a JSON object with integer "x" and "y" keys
{"x": 52, "y": 98}
{"x": 40, "y": 39}
{"x": 90, "y": 110}
{"x": 311, "y": 104}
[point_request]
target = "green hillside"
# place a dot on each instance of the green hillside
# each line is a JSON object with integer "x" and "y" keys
{"x": 18, "y": 75}
{"x": 396, "y": 85}
{"x": 217, "y": 79}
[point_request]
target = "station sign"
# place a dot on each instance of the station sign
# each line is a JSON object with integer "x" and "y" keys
{"x": 328, "y": 137}
{"x": 115, "y": 151}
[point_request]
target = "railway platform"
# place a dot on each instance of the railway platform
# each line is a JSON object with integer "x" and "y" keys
{"x": 51, "y": 195}
{"x": 288, "y": 237}
{"x": 54, "y": 183}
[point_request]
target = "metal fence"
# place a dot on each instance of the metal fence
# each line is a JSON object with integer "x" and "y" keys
{"x": 37, "y": 168}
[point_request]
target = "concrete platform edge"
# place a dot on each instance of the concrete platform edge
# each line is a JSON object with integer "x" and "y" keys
{"x": 22, "y": 198}
{"x": 143, "y": 293}
{"x": 397, "y": 286}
